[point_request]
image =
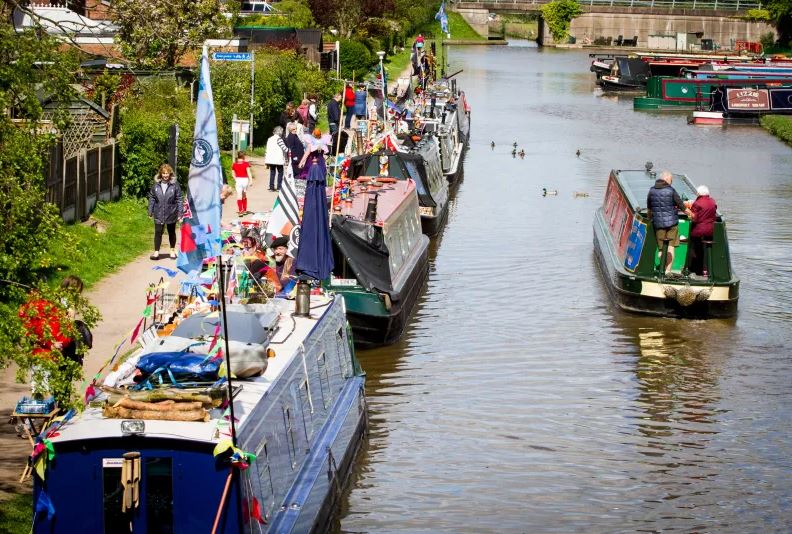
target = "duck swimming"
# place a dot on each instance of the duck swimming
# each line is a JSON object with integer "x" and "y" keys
{"x": 521, "y": 153}
{"x": 549, "y": 192}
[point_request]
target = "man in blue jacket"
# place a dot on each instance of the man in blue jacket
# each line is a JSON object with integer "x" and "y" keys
{"x": 664, "y": 204}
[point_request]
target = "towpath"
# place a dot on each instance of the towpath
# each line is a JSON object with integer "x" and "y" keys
{"x": 120, "y": 297}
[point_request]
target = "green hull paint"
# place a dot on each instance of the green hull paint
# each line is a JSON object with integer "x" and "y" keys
{"x": 360, "y": 301}
{"x": 659, "y": 104}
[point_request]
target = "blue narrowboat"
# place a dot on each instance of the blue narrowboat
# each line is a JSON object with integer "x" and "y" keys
{"x": 303, "y": 419}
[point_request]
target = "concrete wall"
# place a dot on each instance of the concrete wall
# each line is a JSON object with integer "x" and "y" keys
{"x": 477, "y": 18}
{"x": 723, "y": 30}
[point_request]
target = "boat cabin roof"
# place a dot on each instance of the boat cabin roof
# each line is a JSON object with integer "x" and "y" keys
{"x": 286, "y": 342}
{"x": 636, "y": 184}
{"x": 390, "y": 196}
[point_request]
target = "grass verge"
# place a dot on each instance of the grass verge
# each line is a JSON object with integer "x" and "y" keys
{"x": 123, "y": 231}
{"x": 16, "y": 514}
{"x": 778, "y": 125}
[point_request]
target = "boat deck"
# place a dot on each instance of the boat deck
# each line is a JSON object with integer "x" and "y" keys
{"x": 291, "y": 333}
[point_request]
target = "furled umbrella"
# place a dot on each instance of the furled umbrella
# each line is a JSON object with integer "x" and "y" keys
{"x": 315, "y": 253}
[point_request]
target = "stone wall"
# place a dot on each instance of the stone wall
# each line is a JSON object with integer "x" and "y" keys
{"x": 723, "y": 30}
{"x": 477, "y": 18}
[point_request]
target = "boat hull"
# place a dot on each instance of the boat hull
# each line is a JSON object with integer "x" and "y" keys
{"x": 642, "y": 295}
{"x": 373, "y": 325}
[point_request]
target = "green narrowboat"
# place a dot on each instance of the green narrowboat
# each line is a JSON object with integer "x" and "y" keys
{"x": 627, "y": 254}
{"x": 381, "y": 258}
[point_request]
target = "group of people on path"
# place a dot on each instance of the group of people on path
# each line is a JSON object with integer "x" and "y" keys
{"x": 664, "y": 204}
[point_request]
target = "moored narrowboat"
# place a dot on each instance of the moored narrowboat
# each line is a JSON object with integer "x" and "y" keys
{"x": 135, "y": 462}
{"x": 627, "y": 254}
{"x": 381, "y": 257}
{"x": 420, "y": 163}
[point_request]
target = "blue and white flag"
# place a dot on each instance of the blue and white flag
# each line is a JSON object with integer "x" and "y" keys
{"x": 443, "y": 18}
{"x": 200, "y": 231}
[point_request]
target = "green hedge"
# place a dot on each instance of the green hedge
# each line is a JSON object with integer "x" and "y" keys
{"x": 146, "y": 116}
{"x": 778, "y": 125}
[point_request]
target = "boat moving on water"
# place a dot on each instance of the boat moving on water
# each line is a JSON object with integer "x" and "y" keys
{"x": 121, "y": 467}
{"x": 627, "y": 254}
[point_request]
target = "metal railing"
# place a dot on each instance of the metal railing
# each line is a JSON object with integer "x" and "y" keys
{"x": 724, "y": 5}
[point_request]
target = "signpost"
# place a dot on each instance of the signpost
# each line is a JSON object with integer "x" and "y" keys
{"x": 243, "y": 56}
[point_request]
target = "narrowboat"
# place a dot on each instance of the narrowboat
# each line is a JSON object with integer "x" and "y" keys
{"x": 129, "y": 463}
{"x": 751, "y": 102}
{"x": 381, "y": 257}
{"x": 627, "y": 74}
{"x": 627, "y": 254}
{"x": 420, "y": 162}
{"x": 689, "y": 93}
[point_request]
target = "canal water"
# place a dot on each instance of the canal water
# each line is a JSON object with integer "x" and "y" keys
{"x": 520, "y": 399}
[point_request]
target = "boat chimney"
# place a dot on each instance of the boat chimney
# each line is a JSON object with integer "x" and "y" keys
{"x": 432, "y": 108}
{"x": 371, "y": 208}
{"x": 302, "y": 301}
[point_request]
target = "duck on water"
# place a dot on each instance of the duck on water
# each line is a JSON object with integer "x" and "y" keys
{"x": 630, "y": 259}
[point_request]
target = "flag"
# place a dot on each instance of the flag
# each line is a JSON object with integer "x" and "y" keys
{"x": 44, "y": 504}
{"x": 285, "y": 216}
{"x": 442, "y": 17}
{"x": 201, "y": 224}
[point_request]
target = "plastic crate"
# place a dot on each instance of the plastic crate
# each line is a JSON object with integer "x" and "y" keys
{"x": 27, "y": 405}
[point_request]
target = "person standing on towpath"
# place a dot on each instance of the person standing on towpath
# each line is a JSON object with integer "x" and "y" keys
{"x": 165, "y": 206}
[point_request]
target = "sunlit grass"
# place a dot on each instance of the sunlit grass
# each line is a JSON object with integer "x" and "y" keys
{"x": 16, "y": 514}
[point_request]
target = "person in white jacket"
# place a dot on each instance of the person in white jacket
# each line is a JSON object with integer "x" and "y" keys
{"x": 275, "y": 157}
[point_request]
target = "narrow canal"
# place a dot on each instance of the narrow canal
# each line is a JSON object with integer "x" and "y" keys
{"x": 520, "y": 399}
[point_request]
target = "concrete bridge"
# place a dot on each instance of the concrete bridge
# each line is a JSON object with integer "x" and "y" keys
{"x": 601, "y": 19}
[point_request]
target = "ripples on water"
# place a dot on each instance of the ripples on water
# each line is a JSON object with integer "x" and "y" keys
{"x": 520, "y": 399}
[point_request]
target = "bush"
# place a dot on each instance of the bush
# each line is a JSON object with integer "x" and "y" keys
{"x": 146, "y": 116}
{"x": 558, "y": 15}
{"x": 767, "y": 40}
{"x": 356, "y": 60}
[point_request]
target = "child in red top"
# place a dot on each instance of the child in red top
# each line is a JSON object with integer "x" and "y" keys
{"x": 243, "y": 176}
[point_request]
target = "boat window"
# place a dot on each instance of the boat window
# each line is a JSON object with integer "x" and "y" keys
{"x": 324, "y": 380}
{"x": 159, "y": 495}
{"x": 342, "y": 349}
{"x": 112, "y": 492}
{"x": 264, "y": 478}
{"x": 291, "y": 443}
{"x": 307, "y": 406}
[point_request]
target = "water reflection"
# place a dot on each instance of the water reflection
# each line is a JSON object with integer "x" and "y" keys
{"x": 520, "y": 398}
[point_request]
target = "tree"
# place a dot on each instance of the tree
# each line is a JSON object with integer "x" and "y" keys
{"x": 558, "y": 15}
{"x": 781, "y": 15}
{"x": 158, "y": 33}
{"x": 30, "y": 65}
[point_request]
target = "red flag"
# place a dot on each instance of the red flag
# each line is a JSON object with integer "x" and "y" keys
{"x": 136, "y": 331}
{"x": 187, "y": 241}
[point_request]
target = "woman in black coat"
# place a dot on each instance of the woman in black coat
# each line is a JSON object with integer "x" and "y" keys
{"x": 166, "y": 207}
{"x": 296, "y": 148}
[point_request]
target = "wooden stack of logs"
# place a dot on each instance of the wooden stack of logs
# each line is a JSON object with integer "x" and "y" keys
{"x": 163, "y": 404}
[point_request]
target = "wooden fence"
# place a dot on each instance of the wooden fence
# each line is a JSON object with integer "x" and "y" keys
{"x": 77, "y": 183}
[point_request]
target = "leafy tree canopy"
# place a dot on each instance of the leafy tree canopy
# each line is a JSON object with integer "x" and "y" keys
{"x": 558, "y": 15}
{"x": 158, "y": 33}
{"x": 31, "y": 66}
{"x": 781, "y": 15}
